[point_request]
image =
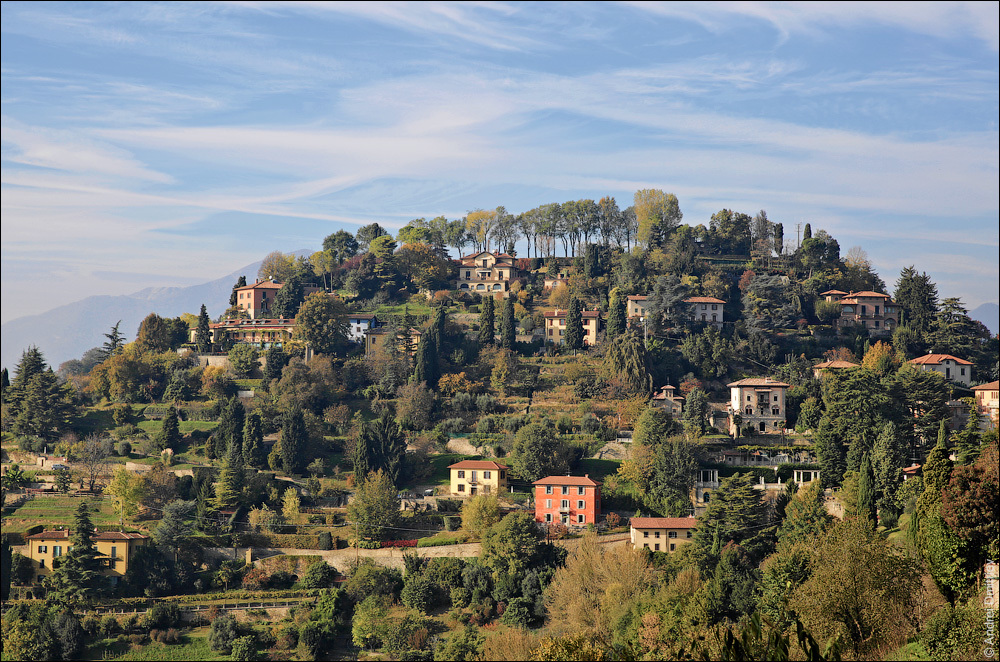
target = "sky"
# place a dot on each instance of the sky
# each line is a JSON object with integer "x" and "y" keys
{"x": 158, "y": 144}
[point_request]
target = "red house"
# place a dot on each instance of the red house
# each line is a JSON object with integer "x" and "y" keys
{"x": 570, "y": 500}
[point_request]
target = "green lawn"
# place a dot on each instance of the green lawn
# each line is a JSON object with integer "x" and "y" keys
{"x": 193, "y": 646}
{"x": 52, "y": 511}
{"x": 152, "y": 427}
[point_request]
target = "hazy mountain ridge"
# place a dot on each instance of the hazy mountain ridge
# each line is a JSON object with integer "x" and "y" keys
{"x": 988, "y": 314}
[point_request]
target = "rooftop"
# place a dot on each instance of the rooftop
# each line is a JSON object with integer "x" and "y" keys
{"x": 836, "y": 364}
{"x": 759, "y": 381}
{"x": 64, "y": 534}
{"x": 478, "y": 464}
{"x": 664, "y": 523}
{"x": 992, "y": 386}
{"x": 703, "y": 300}
{"x": 938, "y": 359}
{"x": 567, "y": 480}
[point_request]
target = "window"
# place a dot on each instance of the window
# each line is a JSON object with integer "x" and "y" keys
{"x": 672, "y": 546}
{"x": 672, "y": 534}
{"x": 41, "y": 563}
{"x": 645, "y": 534}
{"x": 461, "y": 487}
{"x": 656, "y": 535}
{"x": 583, "y": 490}
{"x": 548, "y": 489}
{"x": 715, "y": 306}
{"x": 42, "y": 549}
{"x": 963, "y": 372}
{"x": 581, "y": 504}
{"x": 565, "y": 490}
{"x": 775, "y": 398}
{"x": 748, "y": 398}
{"x": 581, "y": 519}
{"x": 564, "y": 503}
{"x": 689, "y": 533}
{"x": 461, "y": 474}
{"x": 486, "y": 475}
{"x": 56, "y": 551}
{"x": 548, "y": 503}
{"x": 114, "y": 554}
{"x": 656, "y": 547}
{"x": 548, "y": 517}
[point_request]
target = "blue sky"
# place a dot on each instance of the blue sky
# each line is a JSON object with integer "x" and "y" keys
{"x": 148, "y": 144}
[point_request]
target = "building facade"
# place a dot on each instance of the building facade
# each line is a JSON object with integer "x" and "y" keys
{"x": 950, "y": 367}
{"x": 472, "y": 477}
{"x": 377, "y": 337}
{"x": 661, "y": 534}
{"x": 569, "y": 500}
{"x": 987, "y": 400}
{"x": 358, "y": 324}
{"x": 758, "y": 402}
{"x": 875, "y": 311}
{"x": 668, "y": 400}
{"x": 555, "y": 326}
{"x": 115, "y": 551}
{"x": 707, "y": 310}
{"x": 821, "y": 368}
{"x": 487, "y": 273}
{"x": 261, "y": 332}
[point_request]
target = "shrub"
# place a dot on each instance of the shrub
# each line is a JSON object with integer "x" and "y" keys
{"x": 244, "y": 649}
{"x": 325, "y": 540}
{"x": 452, "y": 425}
{"x": 109, "y": 626}
{"x": 318, "y": 575}
{"x": 124, "y": 448}
{"x": 222, "y": 633}
{"x": 162, "y": 615}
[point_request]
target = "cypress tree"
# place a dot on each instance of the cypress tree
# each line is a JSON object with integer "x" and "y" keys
{"x": 274, "y": 363}
{"x": 240, "y": 282}
{"x": 438, "y": 326}
{"x": 617, "y": 314}
{"x": 487, "y": 322}
{"x": 203, "y": 334}
{"x": 807, "y": 233}
{"x": 253, "y": 441}
{"x": 230, "y": 430}
{"x": 427, "y": 369}
{"x": 293, "y": 441}
{"x": 830, "y": 453}
{"x": 170, "y": 434}
{"x": 77, "y": 581}
{"x": 866, "y": 491}
{"x": 229, "y": 488}
{"x": 507, "y": 336}
{"x": 574, "y": 325}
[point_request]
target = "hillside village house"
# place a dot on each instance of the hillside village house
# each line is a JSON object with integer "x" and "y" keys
{"x": 832, "y": 366}
{"x": 556, "y": 276}
{"x": 987, "y": 402}
{"x": 661, "y": 534}
{"x": 759, "y": 402}
{"x": 375, "y": 338}
{"x": 262, "y": 333}
{"x": 472, "y": 477}
{"x": 487, "y": 272}
{"x": 258, "y": 299}
{"x": 703, "y": 309}
{"x": 555, "y": 326}
{"x": 569, "y": 500}
{"x": 950, "y": 367}
{"x": 115, "y": 549}
{"x": 875, "y": 311}
{"x": 669, "y": 401}
{"x": 358, "y": 323}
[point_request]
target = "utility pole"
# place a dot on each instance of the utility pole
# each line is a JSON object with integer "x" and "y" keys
{"x": 798, "y": 231}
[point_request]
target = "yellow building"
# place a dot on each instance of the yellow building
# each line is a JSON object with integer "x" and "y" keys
{"x": 471, "y": 477}
{"x": 555, "y": 326}
{"x": 375, "y": 338}
{"x": 115, "y": 550}
{"x": 661, "y": 534}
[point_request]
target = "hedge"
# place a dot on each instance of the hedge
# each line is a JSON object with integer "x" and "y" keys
{"x": 399, "y": 543}
{"x": 431, "y": 542}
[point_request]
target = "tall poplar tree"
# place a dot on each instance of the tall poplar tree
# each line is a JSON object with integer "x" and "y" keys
{"x": 507, "y": 329}
{"x": 487, "y": 322}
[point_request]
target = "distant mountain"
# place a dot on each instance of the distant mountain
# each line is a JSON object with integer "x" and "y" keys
{"x": 988, "y": 314}
{"x": 68, "y": 331}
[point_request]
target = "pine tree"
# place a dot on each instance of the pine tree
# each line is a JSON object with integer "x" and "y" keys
{"x": 617, "y": 314}
{"x": 38, "y": 404}
{"x": 253, "y": 441}
{"x": 115, "y": 341}
{"x": 169, "y": 435}
{"x": 627, "y": 364}
{"x": 240, "y": 282}
{"x": 805, "y": 516}
{"x": 917, "y": 295}
{"x": 203, "y": 334}
{"x": 574, "y": 325}
{"x": 427, "y": 369}
{"x": 507, "y": 329}
{"x": 77, "y": 581}
{"x": 487, "y": 322}
{"x": 293, "y": 441}
{"x": 380, "y": 446}
{"x": 807, "y": 233}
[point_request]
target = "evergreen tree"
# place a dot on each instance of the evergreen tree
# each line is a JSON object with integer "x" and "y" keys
{"x": 807, "y": 233}
{"x": 830, "y": 453}
{"x": 888, "y": 458}
{"x": 487, "y": 322}
{"x": 736, "y": 514}
{"x": 229, "y": 432}
{"x": 696, "y": 412}
{"x": 240, "y": 282}
{"x": 77, "y": 581}
{"x": 574, "y": 325}
{"x": 438, "y": 327}
{"x": 917, "y": 295}
{"x": 253, "y": 441}
{"x": 203, "y": 333}
{"x": 427, "y": 369}
{"x": 115, "y": 341}
{"x": 229, "y": 488}
{"x": 866, "y": 492}
{"x": 4, "y": 384}
{"x": 626, "y": 363}
{"x": 274, "y": 363}
{"x": 289, "y": 298}
{"x": 38, "y": 404}
{"x": 293, "y": 441}
{"x": 169, "y": 435}
{"x": 380, "y": 446}
{"x": 507, "y": 329}
{"x": 617, "y": 314}
{"x": 805, "y": 516}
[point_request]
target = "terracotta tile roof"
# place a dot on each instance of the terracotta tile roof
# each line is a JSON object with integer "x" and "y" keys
{"x": 836, "y": 364}
{"x": 263, "y": 285}
{"x": 563, "y": 313}
{"x": 664, "y": 523}
{"x": 823, "y": 294}
{"x": 478, "y": 464}
{"x": 567, "y": 480}
{"x": 937, "y": 359}
{"x": 868, "y": 294}
{"x": 703, "y": 300}
{"x": 637, "y": 297}
{"x": 992, "y": 386}
{"x": 106, "y": 535}
{"x": 758, "y": 381}
{"x": 361, "y": 316}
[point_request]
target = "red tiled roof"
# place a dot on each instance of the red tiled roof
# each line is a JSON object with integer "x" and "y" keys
{"x": 637, "y": 297}
{"x": 563, "y": 313}
{"x": 106, "y": 535}
{"x": 992, "y": 386}
{"x": 836, "y": 364}
{"x": 823, "y": 294}
{"x": 868, "y": 294}
{"x": 477, "y": 464}
{"x": 664, "y": 523}
{"x": 758, "y": 381}
{"x": 567, "y": 480}
{"x": 937, "y": 359}
{"x": 703, "y": 300}
{"x": 267, "y": 285}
